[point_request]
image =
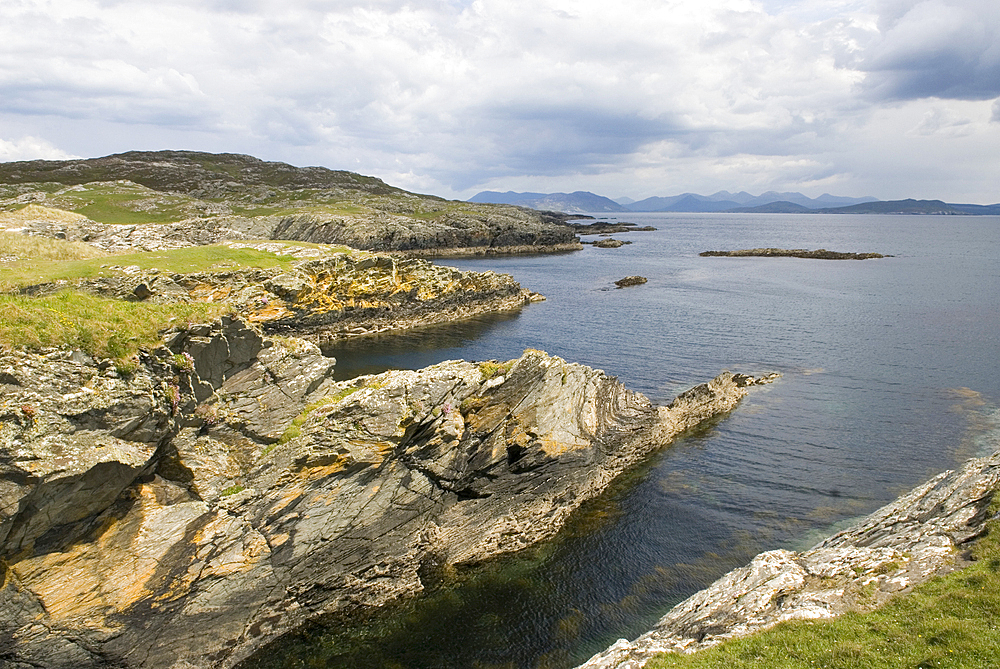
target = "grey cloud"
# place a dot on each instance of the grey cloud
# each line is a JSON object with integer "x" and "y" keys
{"x": 935, "y": 48}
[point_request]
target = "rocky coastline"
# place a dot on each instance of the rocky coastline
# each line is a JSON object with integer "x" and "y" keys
{"x": 903, "y": 544}
{"x": 229, "y": 484}
{"x": 328, "y": 294}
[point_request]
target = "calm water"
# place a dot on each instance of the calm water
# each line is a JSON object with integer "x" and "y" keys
{"x": 889, "y": 374}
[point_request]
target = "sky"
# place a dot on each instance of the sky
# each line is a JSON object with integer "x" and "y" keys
{"x": 633, "y": 98}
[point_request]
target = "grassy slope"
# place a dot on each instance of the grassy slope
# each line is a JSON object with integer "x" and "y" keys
{"x": 53, "y": 260}
{"x": 124, "y": 202}
{"x": 104, "y": 328}
{"x": 950, "y": 622}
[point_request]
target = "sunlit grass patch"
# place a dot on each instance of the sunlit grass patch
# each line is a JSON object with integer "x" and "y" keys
{"x": 214, "y": 258}
{"x": 103, "y": 328}
{"x": 15, "y": 247}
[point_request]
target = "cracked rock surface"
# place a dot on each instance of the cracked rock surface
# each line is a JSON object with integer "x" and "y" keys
{"x": 228, "y": 491}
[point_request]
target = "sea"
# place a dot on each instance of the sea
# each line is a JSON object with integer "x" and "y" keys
{"x": 889, "y": 375}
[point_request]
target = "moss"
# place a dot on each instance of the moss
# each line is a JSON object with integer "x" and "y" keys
{"x": 294, "y": 429}
{"x": 232, "y": 490}
{"x": 492, "y": 368}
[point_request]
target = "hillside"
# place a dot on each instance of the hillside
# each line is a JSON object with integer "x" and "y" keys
{"x": 184, "y": 198}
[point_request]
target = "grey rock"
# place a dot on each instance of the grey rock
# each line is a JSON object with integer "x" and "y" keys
{"x": 221, "y": 537}
{"x": 901, "y": 545}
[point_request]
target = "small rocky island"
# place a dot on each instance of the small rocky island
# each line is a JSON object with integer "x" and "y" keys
{"x": 818, "y": 254}
{"x": 631, "y": 281}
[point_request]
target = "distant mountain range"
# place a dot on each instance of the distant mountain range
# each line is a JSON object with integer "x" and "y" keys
{"x": 771, "y": 202}
{"x": 571, "y": 203}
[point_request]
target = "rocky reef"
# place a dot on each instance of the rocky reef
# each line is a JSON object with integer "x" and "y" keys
{"x": 902, "y": 544}
{"x": 633, "y": 280}
{"x": 818, "y": 254}
{"x": 227, "y": 490}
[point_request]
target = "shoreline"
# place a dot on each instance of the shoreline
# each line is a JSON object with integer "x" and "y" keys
{"x": 488, "y": 251}
{"x": 903, "y": 544}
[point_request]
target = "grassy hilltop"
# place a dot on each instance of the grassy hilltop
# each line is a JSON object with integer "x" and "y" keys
{"x": 254, "y": 198}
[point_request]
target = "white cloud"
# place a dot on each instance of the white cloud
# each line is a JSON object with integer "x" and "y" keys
{"x": 31, "y": 148}
{"x": 449, "y": 96}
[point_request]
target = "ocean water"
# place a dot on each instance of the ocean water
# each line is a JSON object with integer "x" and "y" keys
{"x": 889, "y": 375}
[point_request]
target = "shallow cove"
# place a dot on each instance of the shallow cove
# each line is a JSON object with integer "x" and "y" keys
{"x": 889, "y": 376}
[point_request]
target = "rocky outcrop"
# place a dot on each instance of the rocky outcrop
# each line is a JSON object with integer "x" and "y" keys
{"x": 331, "y": 295}
{"x": 606, "y": 227}
{"x": 631, "y": 281}
{"x": 495, "y": 229}
{"x": 818, "y": 254}
{"x": 609, "y": 243}
{"x": 228, "y": 490}
{"x": 901, "y": 545}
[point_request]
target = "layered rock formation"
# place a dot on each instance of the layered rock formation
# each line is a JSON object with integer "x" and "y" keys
{"x": 228, "y": 490}
{"x": 903, "y": 544}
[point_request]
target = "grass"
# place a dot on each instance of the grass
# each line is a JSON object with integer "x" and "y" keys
{"x": 15, "y": 247}
{"x": 103, "y": 328}
{"x": 123, "y": 202}
{"x": 214, "y": 258}
{"x": 951, "y": 622}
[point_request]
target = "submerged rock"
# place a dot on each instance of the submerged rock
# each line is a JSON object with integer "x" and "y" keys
{"x": 239, "y": 492}
{"x": 901, "y": 545}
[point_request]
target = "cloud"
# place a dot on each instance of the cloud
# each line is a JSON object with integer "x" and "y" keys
{"x": 449, "y": 95}
{"x": 935, "y": 48}
{"x": 31, "y": 148}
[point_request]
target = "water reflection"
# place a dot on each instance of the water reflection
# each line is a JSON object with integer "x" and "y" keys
{"x": 412, "y": 349}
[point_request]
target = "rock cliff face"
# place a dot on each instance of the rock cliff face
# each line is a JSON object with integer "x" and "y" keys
{"x": 228, "y": 490}
{"x": 900, "y": 545}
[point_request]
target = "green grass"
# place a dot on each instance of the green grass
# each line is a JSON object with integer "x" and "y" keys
{"x": 215, "y": 258}
{"x": 951, "y": 622}
{"x": 126, "y": 203}
{"x": 101, "y": 327}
